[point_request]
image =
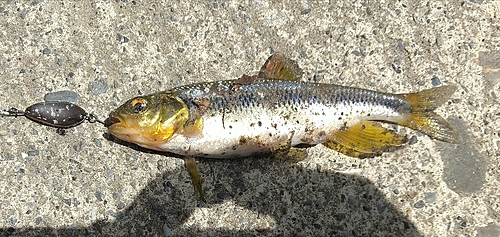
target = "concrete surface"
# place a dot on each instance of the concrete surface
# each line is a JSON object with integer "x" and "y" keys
{"x": 109, "y": 51}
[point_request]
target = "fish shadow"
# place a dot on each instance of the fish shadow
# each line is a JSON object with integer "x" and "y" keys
{"x": 299, "y": 201}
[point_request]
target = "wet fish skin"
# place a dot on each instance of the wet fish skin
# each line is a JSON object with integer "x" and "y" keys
{"x": 254, "y": 118}
{"x": 274, "y": 113}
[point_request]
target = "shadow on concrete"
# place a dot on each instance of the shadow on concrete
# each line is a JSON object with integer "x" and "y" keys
{"x": 302, "y": 201}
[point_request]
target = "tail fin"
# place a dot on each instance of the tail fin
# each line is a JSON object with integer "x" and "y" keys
{"x": 423, "y": 118}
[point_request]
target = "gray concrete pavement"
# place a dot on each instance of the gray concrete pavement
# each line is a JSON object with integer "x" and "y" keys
{"x": 108, "y": 51}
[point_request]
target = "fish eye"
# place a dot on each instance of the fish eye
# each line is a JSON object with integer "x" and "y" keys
{"x": 139, "y": 106}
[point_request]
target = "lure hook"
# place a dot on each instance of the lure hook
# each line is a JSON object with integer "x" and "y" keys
{"x": 93, "y": 119}
{"x": 12, "y": 112}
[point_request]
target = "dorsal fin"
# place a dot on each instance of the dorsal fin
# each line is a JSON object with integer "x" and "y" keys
{"x": 279, "y": 67}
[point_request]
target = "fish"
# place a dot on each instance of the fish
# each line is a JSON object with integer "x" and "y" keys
{"x": 276, "y": 113}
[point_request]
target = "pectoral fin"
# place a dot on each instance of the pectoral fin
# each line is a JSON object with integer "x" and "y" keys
{"x": 364, "y": 139}
{"x": 279, "y": 67}
{"x": 194, "y": 130}
{"x": 194, "y": 173}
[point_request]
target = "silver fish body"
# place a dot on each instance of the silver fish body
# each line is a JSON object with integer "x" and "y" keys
{"x": 273, "y": 112}
{"x": 252, "y": 118}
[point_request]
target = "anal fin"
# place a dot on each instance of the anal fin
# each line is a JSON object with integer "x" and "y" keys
{"x": 364, "y": 139}
{"x": 349, "y": 151}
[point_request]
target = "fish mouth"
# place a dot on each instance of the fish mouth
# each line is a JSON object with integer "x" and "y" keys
{"x": 111, "y": 120}
{"x": 119, "y": 128}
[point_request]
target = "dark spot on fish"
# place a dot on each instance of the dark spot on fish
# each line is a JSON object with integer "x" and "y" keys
{"x": 223, "y": 153}
{"x": 275, "y": 126}
{"x": 230, "y": 126}
{"x": 243, "y": 141}
{"x": 195, "y": 112}
{"x": 297, "y": 121}
{"x": 270, "y": 134}
{"x": 252, "y": 124}
{"x": 368, "y": 115}
{"x": 233, "y": 147}
{"x": 243, "y": 80}
{"x": 215, "y": 89}
{"x": 341, "y": 113}
{"x": 363, "y": 127}
{"x": 286, "y": 116}
{"x": 340, "y": 118}
{"x": 259, "y": 123}
{"x": 202, "y": 104}
{"x": 344, "y": 127}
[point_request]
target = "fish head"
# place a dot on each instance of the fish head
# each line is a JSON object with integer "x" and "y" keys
{"x": 148, "y": 121}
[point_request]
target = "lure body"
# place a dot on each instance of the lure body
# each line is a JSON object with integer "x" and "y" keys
{"x": 59, "y": 114}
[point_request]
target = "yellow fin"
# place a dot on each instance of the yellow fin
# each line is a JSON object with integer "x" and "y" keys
{"x": 279, "y": 67}
{"x": 284, "y": 151}
{"x": 430, "y": 99}
{"x": 293, "y": 155}
{"x": 348, "y": 151}
{"x": 364, "y": 139}
{"x": 423, "y": 119}
{"x": 194, "y": 130}
{"x": 194, "y": 173}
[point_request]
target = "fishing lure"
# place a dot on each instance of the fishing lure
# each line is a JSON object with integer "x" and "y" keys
{"x": 57, "y": 114}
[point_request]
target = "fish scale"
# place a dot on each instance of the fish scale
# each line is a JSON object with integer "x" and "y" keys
{"x": 288, "y": 93}
{"x": 258, "y": 114}
{"x": 280, "y": 107}
{"x": 274, "y": 113}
